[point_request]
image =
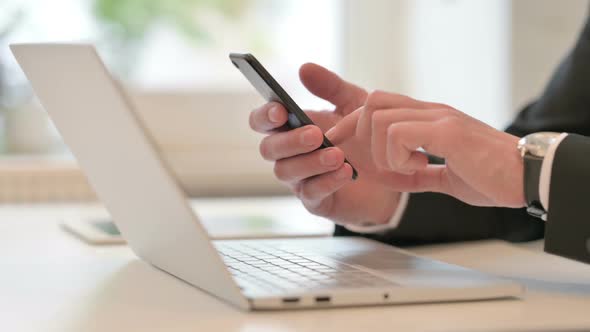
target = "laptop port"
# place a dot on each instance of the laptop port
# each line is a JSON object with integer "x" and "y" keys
{"x": 291, "y": 300}
{"x": 322, "y": 299}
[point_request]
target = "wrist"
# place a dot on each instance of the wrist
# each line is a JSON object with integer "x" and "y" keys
{"x": 383, "y": 208}
{"x": 514, "y": 179}
{"x": 518, "y": 170}
{"x": 389, "y": 208}
{"x": 534, "y": 148}
{"x": 391, "y": 223}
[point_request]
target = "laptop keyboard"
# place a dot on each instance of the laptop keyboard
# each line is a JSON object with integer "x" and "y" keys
{"x": 271, "y": 269}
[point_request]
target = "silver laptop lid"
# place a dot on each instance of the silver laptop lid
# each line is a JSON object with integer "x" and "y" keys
{"x": 100, "y": 126}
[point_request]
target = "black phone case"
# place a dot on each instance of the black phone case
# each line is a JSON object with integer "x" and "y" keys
{"x": 268, "y": 87}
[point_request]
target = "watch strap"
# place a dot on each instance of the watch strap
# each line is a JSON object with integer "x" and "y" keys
{"x": 532, "y": 176}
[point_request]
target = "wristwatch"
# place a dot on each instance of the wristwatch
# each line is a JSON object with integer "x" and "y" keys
{"x": 533, "y": 149}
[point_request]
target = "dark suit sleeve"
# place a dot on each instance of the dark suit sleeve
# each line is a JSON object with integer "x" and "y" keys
{"x": 564, "y": 106}
{"x": 568, "y": 220}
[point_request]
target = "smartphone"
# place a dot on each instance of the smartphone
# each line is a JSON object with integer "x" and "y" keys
{"x": 268, "y": 87}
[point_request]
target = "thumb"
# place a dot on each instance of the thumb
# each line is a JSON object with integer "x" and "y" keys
{"x": 345, "y": 128}
{"x": 329, "y": 86}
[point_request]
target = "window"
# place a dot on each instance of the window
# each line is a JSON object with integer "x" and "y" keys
{"x": 168, "y": 53}
{"x": 178, "y": 73}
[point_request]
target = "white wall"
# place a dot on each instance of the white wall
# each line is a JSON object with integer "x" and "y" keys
{"x": 484, "y": 57}
{"x": 374, "y": 43}
{"x": 459, "y": 55}
{"x": 543, "y": 31}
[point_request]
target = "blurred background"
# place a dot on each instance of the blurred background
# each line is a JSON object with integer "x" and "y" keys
{"x": 487, "y": 58}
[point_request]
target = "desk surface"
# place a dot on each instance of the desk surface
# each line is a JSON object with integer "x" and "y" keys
{"x": 50, "y": 281}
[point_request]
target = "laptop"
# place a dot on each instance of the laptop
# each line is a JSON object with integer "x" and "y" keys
{"x": 106, "y": 135}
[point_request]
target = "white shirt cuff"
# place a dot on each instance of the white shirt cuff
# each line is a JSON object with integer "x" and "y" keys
{"x": 393, "y": 221}
{"x": 545, "y": 178}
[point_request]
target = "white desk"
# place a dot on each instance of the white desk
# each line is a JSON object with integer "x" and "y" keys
{"x": 50, "y": 281}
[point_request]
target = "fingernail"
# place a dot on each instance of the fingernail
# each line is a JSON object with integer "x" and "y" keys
{"x": 308, "y": 137}
{"x": 341, "y": 174}
{"x": 329, "y": 158}
{"x": 329, "y": 132}
{"x": 274, "y": 115}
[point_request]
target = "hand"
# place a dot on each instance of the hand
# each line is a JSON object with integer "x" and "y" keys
{"x": 320, "y": 178}
{"x": 483, "y": 166}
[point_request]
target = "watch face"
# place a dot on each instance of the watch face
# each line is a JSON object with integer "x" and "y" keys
{"x": 537, "y": 143}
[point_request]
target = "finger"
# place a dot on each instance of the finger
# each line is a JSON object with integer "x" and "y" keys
{"x": 432, "y": 178}
{"x": 345, "y": 128}
{"x": 291, "y": 143}
{"x": 378, "y": 100}
{"x": 381, "y": 99}
{"x": 315, "y": 190}
{"x": 405, "y": 137}
{"x": 268, "y": 117}
{"x": 380, "y": 122}
{"x": 308, "y": 165}
{"x": 323, "y": 119}
{"x": 412, "y": 162}
{"x": 329, "y": 86}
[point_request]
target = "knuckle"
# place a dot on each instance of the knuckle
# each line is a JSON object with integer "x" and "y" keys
{"x": 258, "y": 117}
{"x": 280, "y": 171}
{"x": 394, "y": 140}
{"x": 315, "y": 202}
{"x": 448, "y": 108}
{"x": 265, "y": 149}
{"x": 317, "y": 208}
{"x": 451, "y": 129}
{"x": 381, "y": 98}
{"x": 375, "y": 117}
{"x": 374, "y": 94}
{"x": 380, "y": 162}
{"x": 452, "y": 122}
{"x": 339, "y": 158}
{"x": 440, "y": 106}
{"x": 272, "y": 104}
{"x": 450, "y": 112}
{"x": 375, "y": 98}
{"x": 378, "y": 117}
{"x": 394, "y": 132}
{"x": 307, "y": 192}
{"x": 296, "y": 188}
{"x": 311, "y": 131}
{"x": 251, "y": 119}
{"x": 316, "y": 130}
